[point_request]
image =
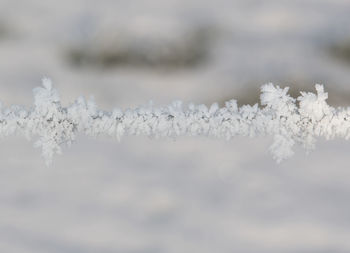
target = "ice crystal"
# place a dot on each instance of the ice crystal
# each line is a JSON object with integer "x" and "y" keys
{"x": 288, "y": 120}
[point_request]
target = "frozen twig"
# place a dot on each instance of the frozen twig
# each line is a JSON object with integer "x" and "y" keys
{"x": 288, "y": 120}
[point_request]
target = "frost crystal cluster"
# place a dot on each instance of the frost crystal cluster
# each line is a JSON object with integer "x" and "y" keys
{"x": 288, "y": 120}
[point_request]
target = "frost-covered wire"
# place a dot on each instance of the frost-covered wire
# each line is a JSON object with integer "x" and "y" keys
{"x": 288, "y": 120}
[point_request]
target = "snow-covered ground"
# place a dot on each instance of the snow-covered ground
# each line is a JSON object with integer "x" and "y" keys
{"x": 188, "y": 195}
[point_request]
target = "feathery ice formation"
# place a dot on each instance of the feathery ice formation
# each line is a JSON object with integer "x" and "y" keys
{"x": 288, "y": 120}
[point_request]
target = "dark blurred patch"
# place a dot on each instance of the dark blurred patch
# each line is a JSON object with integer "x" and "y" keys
{"x": 341, "y": 51}
{"x": 4, "y": 32}
{"x": 189, "y": 50}
{"x": 251, "y": 94}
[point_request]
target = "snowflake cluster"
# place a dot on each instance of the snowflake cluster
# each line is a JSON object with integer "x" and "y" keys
{"x": 288, "y": 120}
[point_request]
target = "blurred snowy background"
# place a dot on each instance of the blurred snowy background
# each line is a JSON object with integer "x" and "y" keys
{"x": 192, "y": 194}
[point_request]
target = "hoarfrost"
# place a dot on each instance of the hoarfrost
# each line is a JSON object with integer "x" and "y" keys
{"x": 288, "y": 120}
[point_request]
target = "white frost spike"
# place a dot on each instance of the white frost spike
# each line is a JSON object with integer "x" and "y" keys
{"x": 281, "y": 148}
{"x": 271, "y": 94}
{"x": 45, "y": 96}
{"x": 314, "y": 105}
{"x": 280, "y": 116}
